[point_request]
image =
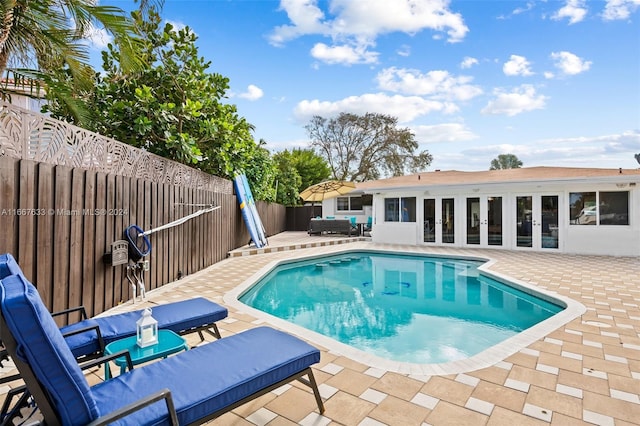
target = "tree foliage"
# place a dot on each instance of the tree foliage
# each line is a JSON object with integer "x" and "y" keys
{"x": 38, "y": 37}
{"x": 366, "y": 147}
{"x": 297, "y": 170}
{"x": 505, "y": 161}
{"x": 173, "y": 107}
{"x": 262, "y": 174}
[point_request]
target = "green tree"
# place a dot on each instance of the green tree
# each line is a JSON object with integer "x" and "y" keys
{"x": 365, "y": 147}
{"x": 288, "y": 179}
{"x": 298, "y": 169}
{"x": 262, "y": 174}
{"x": 40, "y": 36}
{"x": 505, "y": 161}
{"x": 173, "y": 107}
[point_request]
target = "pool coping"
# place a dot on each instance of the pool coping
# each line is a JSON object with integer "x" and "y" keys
{"x": 490, "y": 356}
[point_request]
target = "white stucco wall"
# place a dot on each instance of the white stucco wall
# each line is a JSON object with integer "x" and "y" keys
{"x": 615, "y": 240}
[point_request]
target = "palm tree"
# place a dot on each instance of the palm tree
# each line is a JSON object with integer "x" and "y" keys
{"x": 38, "y": 36}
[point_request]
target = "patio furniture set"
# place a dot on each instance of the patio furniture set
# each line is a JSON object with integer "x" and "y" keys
{"x": 190, "y": 387}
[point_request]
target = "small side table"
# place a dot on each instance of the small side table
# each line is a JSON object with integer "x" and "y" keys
{"x": 168, "y": 343}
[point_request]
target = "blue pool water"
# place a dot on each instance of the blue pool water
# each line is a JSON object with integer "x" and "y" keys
{"x": 400, "y": 307}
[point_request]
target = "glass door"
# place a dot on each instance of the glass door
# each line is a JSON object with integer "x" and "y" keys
{"x": 429, "y": 235}
{"x": 484, "y": 221}
{"x": 447, "y": 225}
{"x": 537, "y": 221}
{"x": 439, "y": 220}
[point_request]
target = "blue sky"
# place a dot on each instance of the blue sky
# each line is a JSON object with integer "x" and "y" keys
{"x": 556, "y": 83}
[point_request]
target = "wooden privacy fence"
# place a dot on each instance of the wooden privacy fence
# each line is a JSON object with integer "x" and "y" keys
{"x": 67, "y": 194}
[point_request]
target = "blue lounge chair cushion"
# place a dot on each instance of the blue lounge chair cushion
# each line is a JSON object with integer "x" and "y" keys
{"x": 210, "y": 377}
{"x": 177, "y": 317}
{"x": 41, "y": 344}
{"x": 9, "y": 266}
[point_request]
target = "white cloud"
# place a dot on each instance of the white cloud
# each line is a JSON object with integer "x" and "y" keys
{"x": 344, "y": 54}
{"x": 446, "y": 132}
{"x": 306, "y": 18}
{"x": 404, "y": 50}
{"x": 253, "y": 93}
{"x": 438, "y": 84}
{"x": 620, "y": 9}
{"x": 575, "y": 10}
{"x": 597, "y": 151}
{"x": 359, "y": 23}
{"x": 529, "y": 6}
{"x": 569, "y": 63}
{"x": 517, "y": 65}
{"x": 468, "y": 62}
{"x": 405, "y": 108}
{"x": 98, "y": 38}
{"x": 521, "y": 99}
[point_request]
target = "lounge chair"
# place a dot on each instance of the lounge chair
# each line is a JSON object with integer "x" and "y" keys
{"x": 88, "y": 337}
{"x": 189, "y": 388}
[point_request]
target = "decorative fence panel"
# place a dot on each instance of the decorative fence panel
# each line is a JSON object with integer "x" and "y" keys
{"x": 60, "y": 212}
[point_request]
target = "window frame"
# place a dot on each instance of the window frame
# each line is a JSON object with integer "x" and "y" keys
{"x": 393, "y": 215}
{"x": 349, "y": 204}
{"x": 592, "y": 213}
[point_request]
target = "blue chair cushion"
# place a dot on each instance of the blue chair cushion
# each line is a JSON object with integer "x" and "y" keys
{"x": 40, "y": 343}
{"x": 210, "y": 377}
{"x": 9, "y": 266}
{"x": 177, "y": 317}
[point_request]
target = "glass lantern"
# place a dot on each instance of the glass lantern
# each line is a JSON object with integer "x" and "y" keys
{"x": 147, "y": 329}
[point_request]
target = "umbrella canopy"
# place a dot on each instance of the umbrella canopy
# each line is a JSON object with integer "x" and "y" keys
{"x": 328, "y": 189}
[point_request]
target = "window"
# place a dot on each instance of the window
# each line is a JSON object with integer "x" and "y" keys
{"x": 614, "y": 208}
{"x": 393, "y": 207}
{"x": 582, "y": 207}
{"x": 601, "y": 208}
{"x": 349, "y": 203}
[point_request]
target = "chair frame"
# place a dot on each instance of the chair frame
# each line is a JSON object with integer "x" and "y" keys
{"x": 44, "y": 403}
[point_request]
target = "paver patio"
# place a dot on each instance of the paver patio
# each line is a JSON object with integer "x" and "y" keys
{"x": 585, "y": 372}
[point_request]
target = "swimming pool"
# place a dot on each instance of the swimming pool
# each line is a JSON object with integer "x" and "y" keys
{"x": 405, "y": 308}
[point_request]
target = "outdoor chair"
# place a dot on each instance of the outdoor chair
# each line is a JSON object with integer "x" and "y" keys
{"x": 354, "y": 224}
{"x": 367, "y": 226}
{"x": 188, "y": 388}
{"x": 88, "y": 337}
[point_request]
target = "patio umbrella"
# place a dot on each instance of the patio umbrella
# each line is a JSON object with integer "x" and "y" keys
{"x": 327, "y": 189}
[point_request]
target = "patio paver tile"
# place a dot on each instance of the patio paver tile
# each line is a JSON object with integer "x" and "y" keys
{"x": 351, "y": 381}
{"x": 556, "y": 402}
{"x": 398, "y": 385}
{"x": 503, "y": 417}
{"x": 395, "y": 411}
{"x": 611, "y": 407}
{"x": 449, "y": 414}
{"x": 347, "y": 409}
{"x": 448, "y": 390}
{"x": 534, "y": 377}
{"x": 500, "y": 396}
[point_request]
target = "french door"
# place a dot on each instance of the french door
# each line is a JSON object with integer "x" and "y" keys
{"x": 483, "y": 221}
{"x": 536, "y": 222}
{"x": 439, "y": 220}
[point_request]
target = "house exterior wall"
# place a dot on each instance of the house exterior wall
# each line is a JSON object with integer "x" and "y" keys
{"x": 617, "y": 240}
